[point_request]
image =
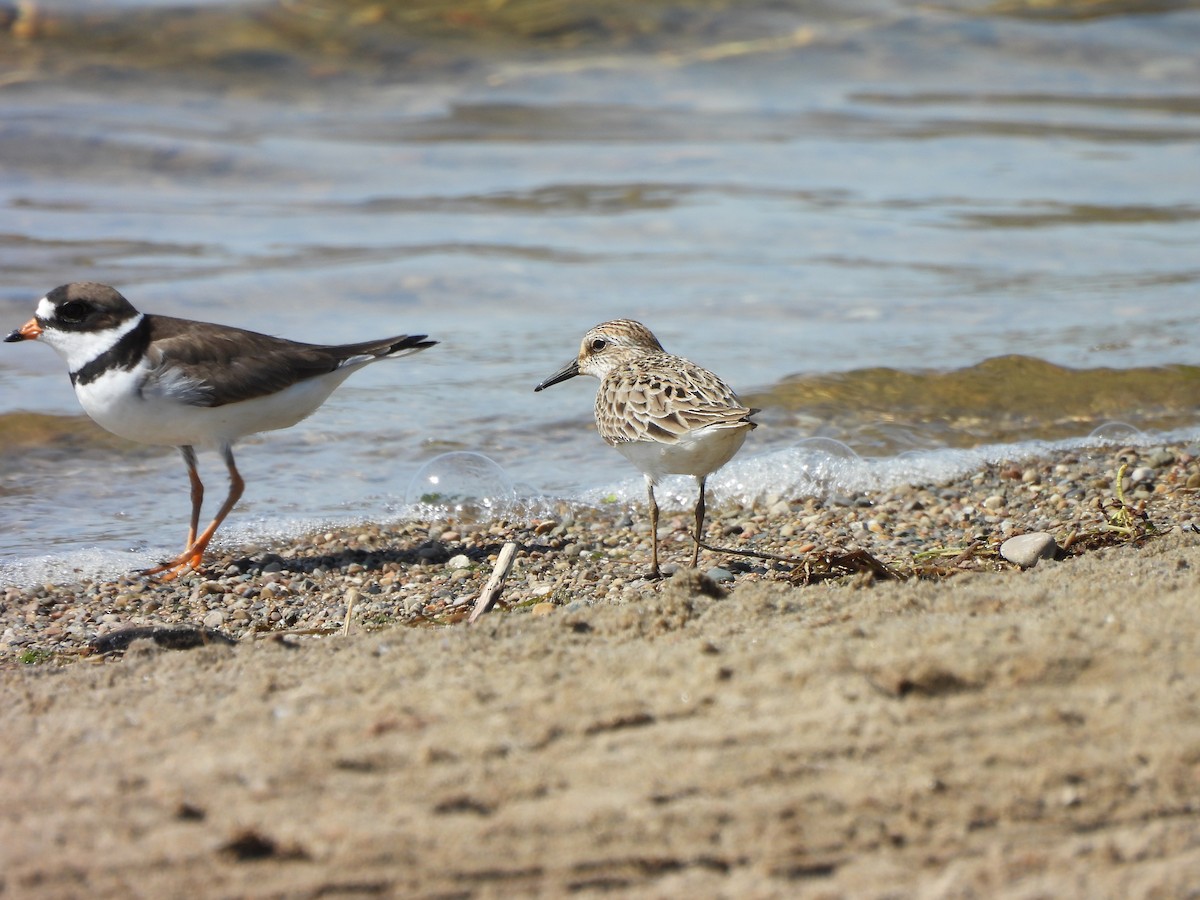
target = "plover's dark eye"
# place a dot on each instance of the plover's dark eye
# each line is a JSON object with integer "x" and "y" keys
{"x": 73, "y": 311}
{"x": 599, "y": 344}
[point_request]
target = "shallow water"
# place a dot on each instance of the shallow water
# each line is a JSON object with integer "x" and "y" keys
{"x": 795, "y": 197}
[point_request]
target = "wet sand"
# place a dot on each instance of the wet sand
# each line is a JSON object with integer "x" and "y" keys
{"x": 981, "y": 731}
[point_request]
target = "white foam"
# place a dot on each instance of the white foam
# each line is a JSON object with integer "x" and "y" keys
{"x": 92, "y": 563}
{"x": 820, "y": 470}
{"x": 812, "y": 468}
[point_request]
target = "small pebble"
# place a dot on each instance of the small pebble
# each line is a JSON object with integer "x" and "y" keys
{"x": 1160, "y": 459}
{"x": 1025, "y": 550}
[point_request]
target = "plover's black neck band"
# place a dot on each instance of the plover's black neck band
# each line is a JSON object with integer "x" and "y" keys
{"x": 126, "y": 353}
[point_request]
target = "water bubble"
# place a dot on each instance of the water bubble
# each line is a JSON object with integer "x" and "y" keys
{"x": 823, "y": 446}
{"x": 824, "y": 466}
{"x": 463, "y": 485}
{"x": 532, "y": 503}
{"x": 1116, "y": 433}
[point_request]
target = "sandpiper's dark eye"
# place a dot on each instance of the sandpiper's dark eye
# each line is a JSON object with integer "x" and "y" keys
{"x": 73, "y": 311}
{"x": 599, "y": 344}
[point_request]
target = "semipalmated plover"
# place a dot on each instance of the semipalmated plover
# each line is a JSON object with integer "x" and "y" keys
{"x": 177, "y": 382}
{"x": 665, "y": 414}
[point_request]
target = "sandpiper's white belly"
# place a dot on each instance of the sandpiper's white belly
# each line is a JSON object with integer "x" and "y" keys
{"x": 113, "y": 400}
{"x": 697, "y": 453}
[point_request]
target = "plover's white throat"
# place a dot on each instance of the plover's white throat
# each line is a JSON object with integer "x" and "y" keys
{"x": 162, "y": 380}
{"x": 667, "y": 415}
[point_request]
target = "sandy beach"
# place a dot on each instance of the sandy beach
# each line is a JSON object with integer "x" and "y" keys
{"x": 754, "y": 729}
{"x": 947, "y": 249}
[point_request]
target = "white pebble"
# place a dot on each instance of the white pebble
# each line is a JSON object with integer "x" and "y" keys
{"x": 1026, "y": 549}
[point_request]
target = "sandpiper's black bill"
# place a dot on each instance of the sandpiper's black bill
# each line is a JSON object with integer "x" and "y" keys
{"x": 570, "y": 370}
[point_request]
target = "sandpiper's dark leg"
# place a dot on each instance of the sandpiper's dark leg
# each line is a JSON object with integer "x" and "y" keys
{"x": 654, "y": 572}
{"x": 699, "y": 520}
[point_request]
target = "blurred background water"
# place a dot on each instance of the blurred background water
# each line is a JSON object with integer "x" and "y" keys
{"x": 921, "y": 230}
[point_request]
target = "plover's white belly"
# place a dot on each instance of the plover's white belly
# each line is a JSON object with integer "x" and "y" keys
{"x": 115, "y": 403}
{"x": 698, "y": 452}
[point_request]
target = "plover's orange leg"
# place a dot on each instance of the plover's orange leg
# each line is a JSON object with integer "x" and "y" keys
{"x": 189, "y": 458}
{"x": 193, "y": 556}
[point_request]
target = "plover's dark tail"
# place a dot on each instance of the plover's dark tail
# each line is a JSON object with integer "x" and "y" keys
{"x": 367, "y": 351}
{"x": 408, "y": 344}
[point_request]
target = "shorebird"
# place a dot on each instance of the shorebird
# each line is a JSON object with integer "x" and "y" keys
{"x": 665, "y": 414}
{"x": 177, "y": 382}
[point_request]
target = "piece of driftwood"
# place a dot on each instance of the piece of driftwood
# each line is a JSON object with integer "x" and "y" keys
{"x": 495, "y": 583}
{"x": 183, "y": 637}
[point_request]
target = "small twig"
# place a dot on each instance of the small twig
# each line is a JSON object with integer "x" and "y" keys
{"x": 267, "y": 635}
{"x": 491, "y": 590}
{"x": 939, "y": 553}
{"x": 353, "y": 595}
{"x": 971, "y": 551}
{"x": 757, "y": 554}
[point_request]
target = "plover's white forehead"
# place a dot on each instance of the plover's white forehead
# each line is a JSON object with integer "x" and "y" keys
{"x": 45, "y": 309}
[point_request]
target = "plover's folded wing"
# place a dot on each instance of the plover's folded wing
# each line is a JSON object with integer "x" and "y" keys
{"x": 204, "y": 364}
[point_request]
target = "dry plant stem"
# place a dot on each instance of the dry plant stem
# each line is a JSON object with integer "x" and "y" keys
{"x": 790, "y": 560}
{"x": 491, "y": 590}
{"x": 349, "y": 613}
{"x": 866, "y": 559}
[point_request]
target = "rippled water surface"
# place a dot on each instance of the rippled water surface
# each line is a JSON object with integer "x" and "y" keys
{"x": 825, "y": 203}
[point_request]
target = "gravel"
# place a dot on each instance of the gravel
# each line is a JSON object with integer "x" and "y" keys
{"x": 423, "y": 573}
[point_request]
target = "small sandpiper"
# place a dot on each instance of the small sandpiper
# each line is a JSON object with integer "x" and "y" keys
{"x": 667, "y": 415}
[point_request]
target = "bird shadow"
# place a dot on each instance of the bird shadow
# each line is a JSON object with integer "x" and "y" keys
{"x": 426, "y": 553}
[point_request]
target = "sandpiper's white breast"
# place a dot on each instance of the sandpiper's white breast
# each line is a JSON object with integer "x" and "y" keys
{"x": 698, "y": 452}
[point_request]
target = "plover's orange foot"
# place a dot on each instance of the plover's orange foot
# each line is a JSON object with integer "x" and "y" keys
{"x": 180, "y": 565}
